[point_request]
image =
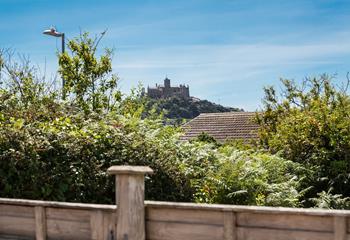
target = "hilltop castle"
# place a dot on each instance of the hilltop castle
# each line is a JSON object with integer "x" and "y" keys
{"x": 167, "y": 91}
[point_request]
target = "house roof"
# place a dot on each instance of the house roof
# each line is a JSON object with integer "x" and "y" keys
{"x": 223, "y": 126}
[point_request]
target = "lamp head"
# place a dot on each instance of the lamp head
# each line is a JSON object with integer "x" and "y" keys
{"x": 53, "y": 32}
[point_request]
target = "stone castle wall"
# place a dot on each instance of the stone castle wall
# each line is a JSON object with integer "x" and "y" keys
{"x": 167, "y": 91}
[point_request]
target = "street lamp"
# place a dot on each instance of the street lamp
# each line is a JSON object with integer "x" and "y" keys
{"x": 53, "y": 32}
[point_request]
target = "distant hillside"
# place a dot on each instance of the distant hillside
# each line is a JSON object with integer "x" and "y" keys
{"x": 179, "y": 108}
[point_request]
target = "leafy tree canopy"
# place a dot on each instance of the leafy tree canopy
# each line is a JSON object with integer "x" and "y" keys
{"x": 88, "y": 79}
{"x": 309, "y": 123}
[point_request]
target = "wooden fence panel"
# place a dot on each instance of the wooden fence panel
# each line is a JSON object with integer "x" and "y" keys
{"x": 18, "y": 221}
{"x": 183, "y": 231}
{"x": 40, "y": 223}
{"x": 41, "y": 220}
{"x": 340, "y": 231}
{"x": 171, "y": 223}
{"x": 285, "y": 221}
{"x": 184, "y": 220}
{"x": 281, "y": 234}
{"x": 27, "y": 219}
{"x": 68, "y": 223}
{"x": 171, "y": 214}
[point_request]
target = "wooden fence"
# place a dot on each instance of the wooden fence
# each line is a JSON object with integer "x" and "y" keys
{"x": 135, "y": 219}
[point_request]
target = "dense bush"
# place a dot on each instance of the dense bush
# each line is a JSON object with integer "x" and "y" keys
{"x": 233, "y": 176}
{"x": 310, "y": 124}
{"x": 66, "y": 160}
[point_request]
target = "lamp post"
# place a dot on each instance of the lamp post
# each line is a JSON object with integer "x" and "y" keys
{"x": 53, "y": 32}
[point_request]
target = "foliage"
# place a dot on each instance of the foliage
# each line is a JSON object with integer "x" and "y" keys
{"x": 23, "y": 91}
{"x": 67, "y": 159}
{"x": 205, "y": 137}
{"x": 248, "y": 178}
{"x": 310, "y": 124}
{"x": 330, "y": 201}
{"x": 88, "y": 78}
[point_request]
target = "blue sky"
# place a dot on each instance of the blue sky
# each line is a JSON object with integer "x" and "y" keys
{"x": 226, "y": 50}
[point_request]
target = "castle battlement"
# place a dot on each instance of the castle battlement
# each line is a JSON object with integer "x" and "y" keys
{"x": 166, "y": 90}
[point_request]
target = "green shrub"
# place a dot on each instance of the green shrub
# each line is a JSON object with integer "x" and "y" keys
{"x": 67, "y": 159}
{"x": 249, "y": 178}
{"x": 309, "y": 123}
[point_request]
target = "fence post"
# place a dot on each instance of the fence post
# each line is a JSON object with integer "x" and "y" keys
{"x": 130, "y": 192}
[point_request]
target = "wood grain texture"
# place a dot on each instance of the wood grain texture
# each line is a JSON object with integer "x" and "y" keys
{"x": 17, "y": 221}
{"x": 96, "y": 224}
{"x": 286, "y": 221}
{"x": 68, "y": 223}
{"x": 131, "y": 211}
{"x": 183, "y": 231}
{"x": 280, "y": 234}
{"x": 340, "y": 231}
{"x": 17, "y": 226}
{"x": 166, "y": 221}
{"x": 40, "y": 223}
{"x": 68, "y": 214}
{"x": 109, "y": 225}
{"x": 230, "y": 230}
{"x": 63, "y": 229}
{"x": 185, "y": 215}
{"x": 25, "y": 202}
{"x": 16, "y": 211}
{"x": 249, "y": 209}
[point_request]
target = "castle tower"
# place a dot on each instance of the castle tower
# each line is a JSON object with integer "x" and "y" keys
{"x": 167, "y": 88}
{"x": 167, "y": 82}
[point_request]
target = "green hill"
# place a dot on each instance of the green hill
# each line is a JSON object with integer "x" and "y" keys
{"x": 179, "y": 109}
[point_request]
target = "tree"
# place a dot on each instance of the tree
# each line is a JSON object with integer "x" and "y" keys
{"x": 310, "y": 124}
{"x": 20, "y": 78}
{"x": 89, "y": 79}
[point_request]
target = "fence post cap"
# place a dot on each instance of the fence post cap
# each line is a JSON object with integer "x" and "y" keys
{"x": 131, "y": 170}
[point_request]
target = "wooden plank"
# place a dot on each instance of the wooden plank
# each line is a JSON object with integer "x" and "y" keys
{"x": 185, "y": 215}
{"x": 33, "y": 203}
{"x": 16, "y": 211}
{"x": 77, "y": 215}
{"x": 155, "y": 204}
{"x": 68, "y": 223}
{"x": 281, "y": 234}
{"x": 12, "y": 237}
{"x": 18, "y": 226}
{"x": 109, "y": 225}
{"x": 65, "y": 229}
{"x": 183, "y": 231}
{"x": 286, "y": 221}
{"x": 229, "y": 226}
{"x": 131, "y": 211}
{"x": 249, "y": 209}
{"x": 340, "y": 228}
{"x": 17, "y": 221}
{"x": 40, "y": 223}
{"x": 96, "y": 223}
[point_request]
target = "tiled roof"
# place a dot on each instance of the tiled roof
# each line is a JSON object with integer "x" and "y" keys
{"x": 223, "y": 126}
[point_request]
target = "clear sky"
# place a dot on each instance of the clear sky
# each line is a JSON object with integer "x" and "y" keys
{"x": 226, "y": 50}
